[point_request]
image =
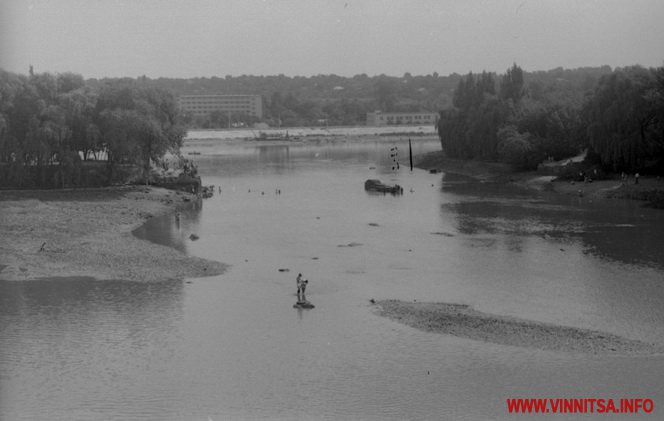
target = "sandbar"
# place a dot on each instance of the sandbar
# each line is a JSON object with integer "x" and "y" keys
{"x": 463, "y": 321}
{"x": 88, "y": 233}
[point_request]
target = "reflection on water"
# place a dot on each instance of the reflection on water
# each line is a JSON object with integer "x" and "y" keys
{"x": 274, "y": 154}
{"x": 233, "y": 347}
{"x": 172, "y": 230}
{"x": 616, "y": 230}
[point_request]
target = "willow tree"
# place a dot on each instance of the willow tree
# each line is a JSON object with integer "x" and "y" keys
{"x": 159, "y": 128}
{"x": 79, "y": 107}
{"x": 138, "y": 124}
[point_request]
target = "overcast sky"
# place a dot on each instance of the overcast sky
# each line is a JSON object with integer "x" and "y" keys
{"x": 203, "y": 38}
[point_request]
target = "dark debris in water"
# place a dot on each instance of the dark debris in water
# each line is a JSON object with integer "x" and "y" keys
{"x": 353, "y": 244}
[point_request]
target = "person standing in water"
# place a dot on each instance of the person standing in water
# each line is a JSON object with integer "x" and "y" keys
{"x": 303, "y": 288}
{"x": 298, "y": 280}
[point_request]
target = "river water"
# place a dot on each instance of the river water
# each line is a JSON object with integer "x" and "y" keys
{"x": 233, "y": 346}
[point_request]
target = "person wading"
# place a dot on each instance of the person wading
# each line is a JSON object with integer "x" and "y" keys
{"x": 298, "y": 280}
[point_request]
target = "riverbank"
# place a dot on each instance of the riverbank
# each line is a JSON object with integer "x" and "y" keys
{"x": 465, "y": 322}
{"x": 649, "y": 189}
{"x": 88, "y": 232}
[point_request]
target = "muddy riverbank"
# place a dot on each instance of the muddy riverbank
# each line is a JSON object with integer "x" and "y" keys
{"x": 649, "y": 189}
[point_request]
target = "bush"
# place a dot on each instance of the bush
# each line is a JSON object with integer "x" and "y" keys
{"x": 516, "y": 149}
{"x": 81, "y": 174}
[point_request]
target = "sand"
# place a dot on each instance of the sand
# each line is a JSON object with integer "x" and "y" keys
{"x": 465, "y": 322}
{"x": 88, "y": 232}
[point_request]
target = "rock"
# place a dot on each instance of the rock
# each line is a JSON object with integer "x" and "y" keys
{"x": 194, "y": 237}
{"x": 303, "y": 305}
{"x": 353, "y": 244}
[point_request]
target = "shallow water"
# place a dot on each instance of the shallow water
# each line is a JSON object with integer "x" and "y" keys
{"x": 233, "y": 347}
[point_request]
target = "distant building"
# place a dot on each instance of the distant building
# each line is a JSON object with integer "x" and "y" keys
{"x": 379, "y": 118}
{"x": 205, "y": 104}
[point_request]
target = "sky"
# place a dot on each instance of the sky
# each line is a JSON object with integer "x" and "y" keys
{"x": 205, "y": 38}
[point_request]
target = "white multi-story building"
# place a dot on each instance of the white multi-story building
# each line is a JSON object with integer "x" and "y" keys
{"x": 205, "y": 104}
{"x": 379, "y": 118}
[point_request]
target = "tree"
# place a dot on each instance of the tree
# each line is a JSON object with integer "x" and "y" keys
{"x": 515, "y": 125}
{"x": 79, "y": 106}
{"x": 555, "y": 125}
{"x": 48, "y": 123}
{"x": 655, "y": 103}
{"x": 470, "y": 131}
{"x": 158, "y": 128}
{"x": 511, "y": 85}
{"x": 622, "y": 120}
{"x": 385, "y": 94}
{"x": 138, "y": 124}
{"x": 451, "y": 130}
{"x": 67, "y": 82}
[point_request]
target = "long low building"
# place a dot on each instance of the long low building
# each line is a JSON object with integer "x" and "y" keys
{"x": 379, "y": 118}
{"x": 206, "y": 104}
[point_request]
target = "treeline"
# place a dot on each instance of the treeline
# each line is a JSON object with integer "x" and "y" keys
{"x": 56, "y": 131}
{"x": 618, "y": 117}
{"x": 335, "y": 100}
{"x": 316, "y": 100}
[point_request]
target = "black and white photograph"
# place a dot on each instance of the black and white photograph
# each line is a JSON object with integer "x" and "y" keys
{"x": 331, "y": 210}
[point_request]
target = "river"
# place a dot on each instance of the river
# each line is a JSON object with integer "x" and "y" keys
{"x": 233, "y": 346}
